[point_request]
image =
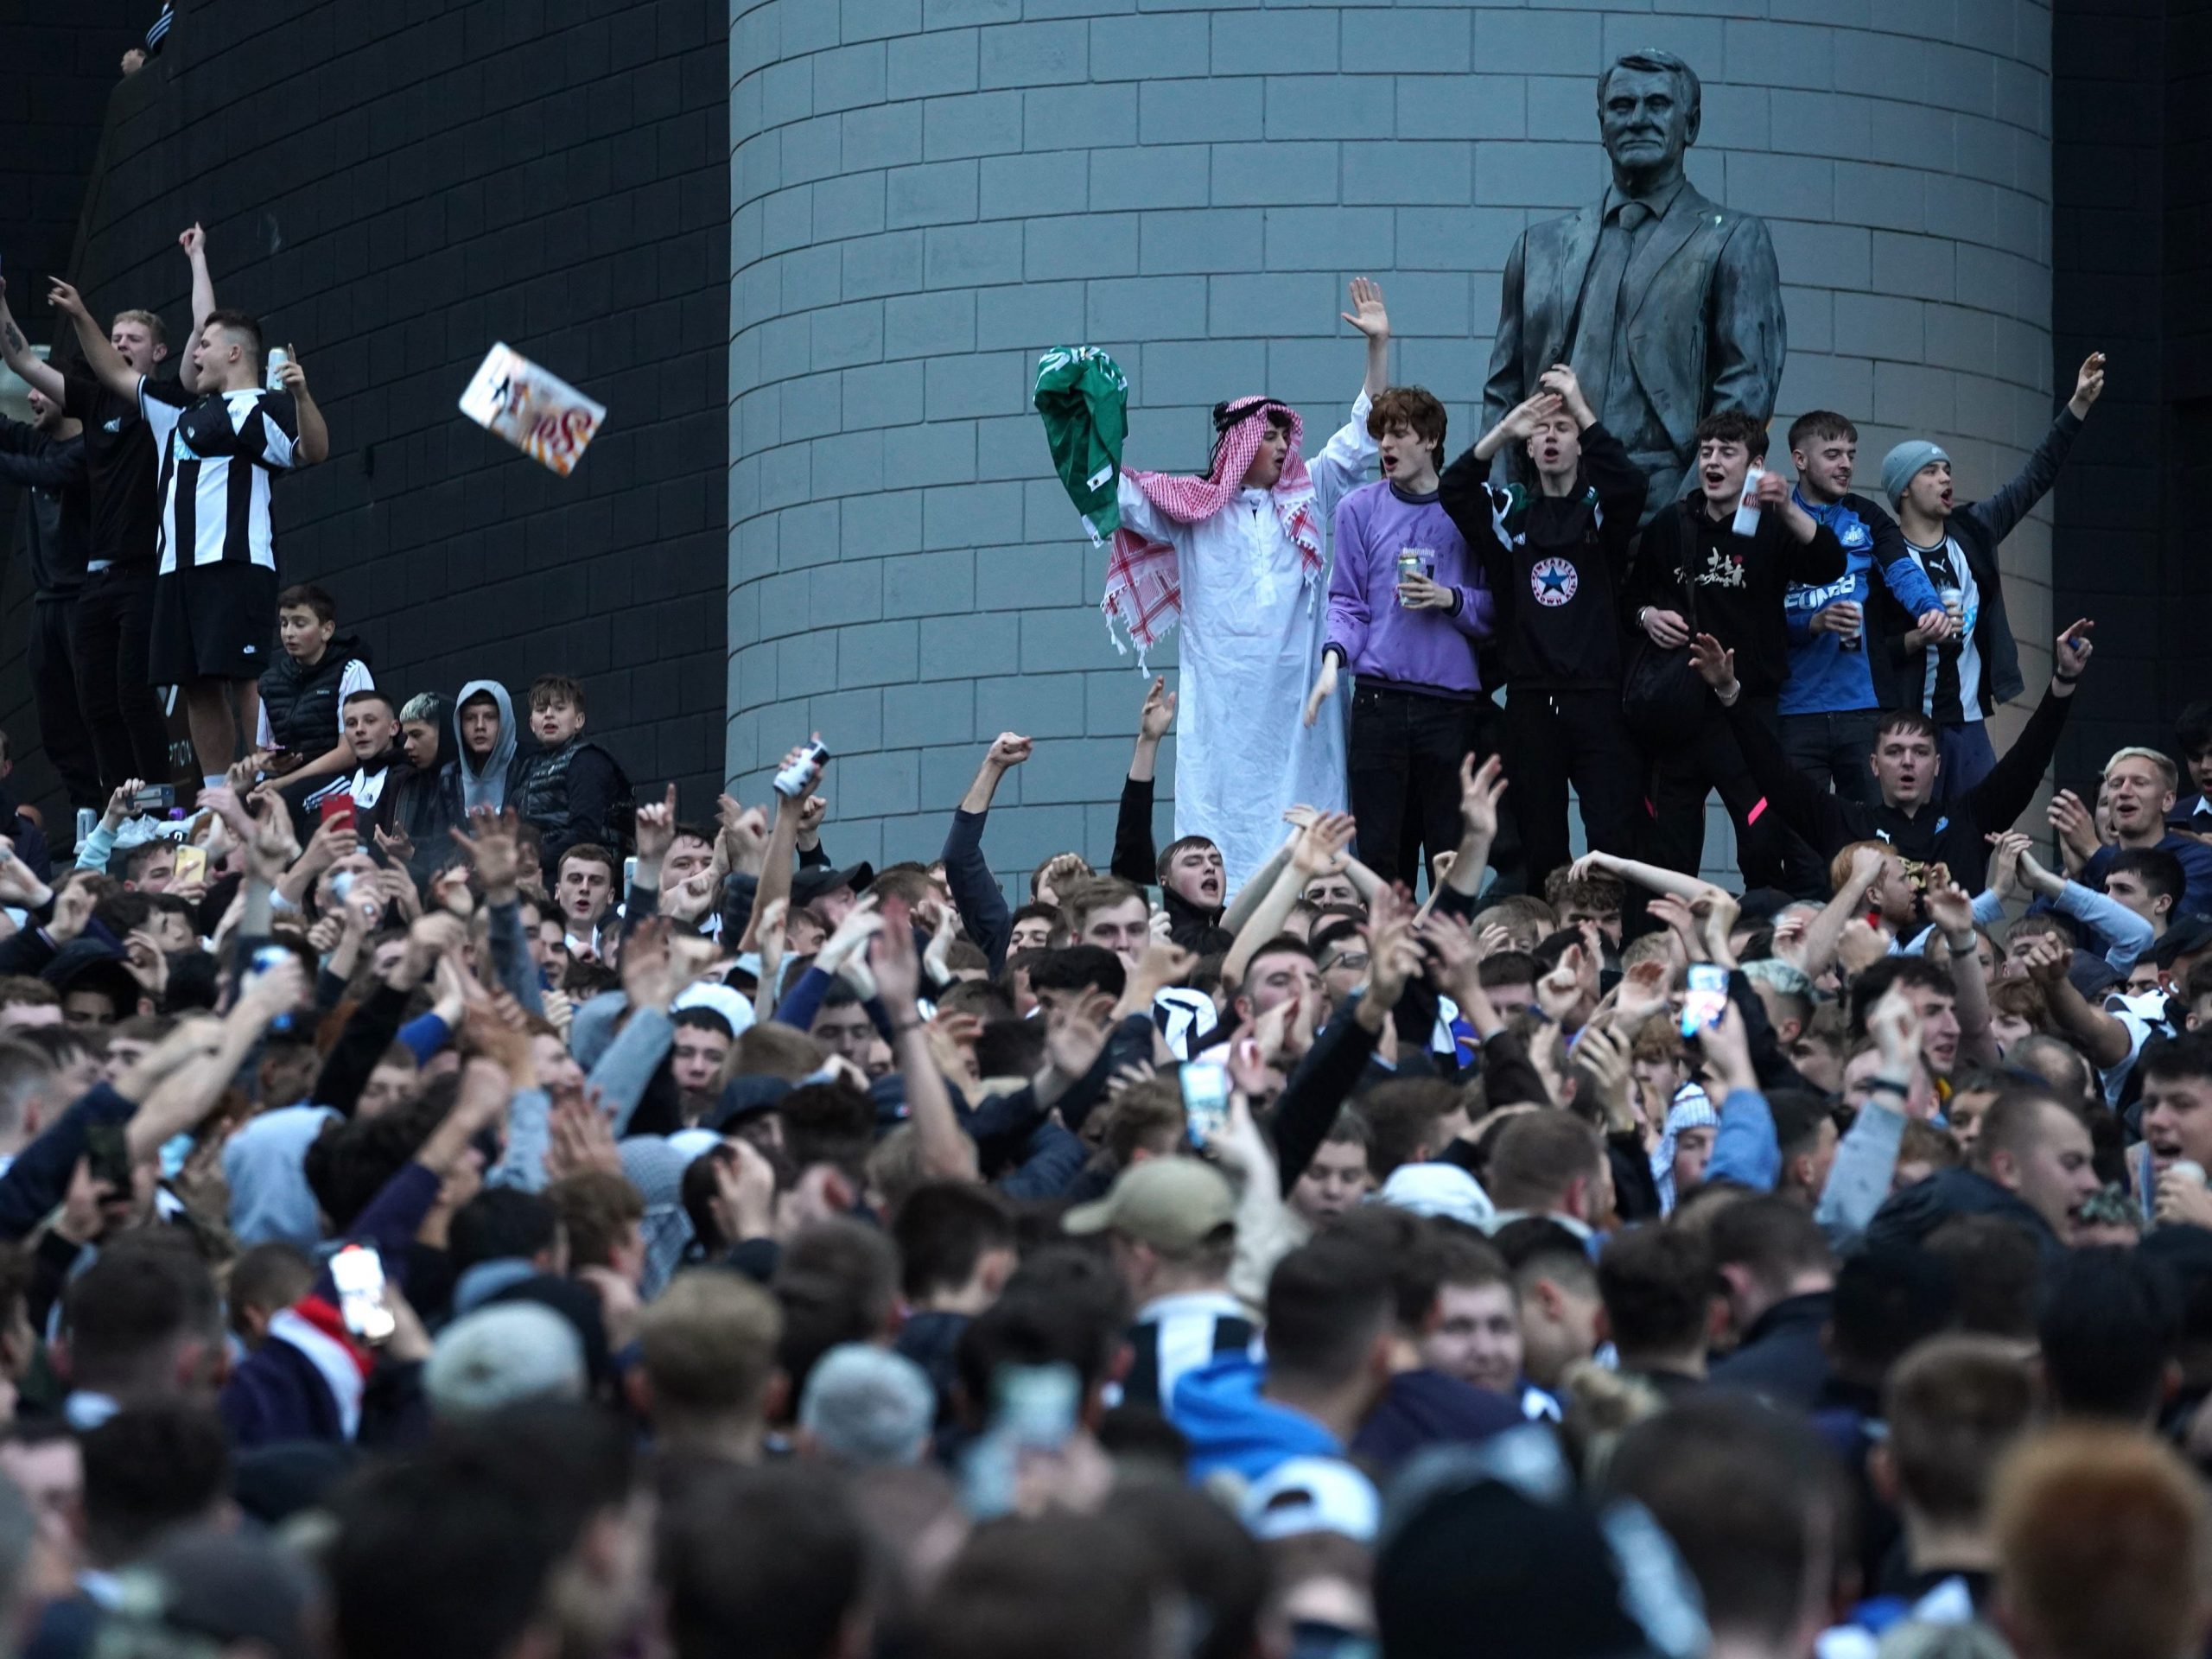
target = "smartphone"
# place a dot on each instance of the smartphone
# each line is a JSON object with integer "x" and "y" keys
{"x": 337, "y": 808}
{"x": 629, "y": 874}
{"x": 191, "y": 864}
{"x": 1206, "y": 1099}
{"x": 154, "y": 797}
{"x": 107, "y": 1155}
{"x": 1706, "y": 1000}
{"x": 1035, "y": 1405}
{"x": 357, "y": 1271}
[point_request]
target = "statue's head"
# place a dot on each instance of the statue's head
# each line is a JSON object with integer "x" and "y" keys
{"x": 1648, "y": 107}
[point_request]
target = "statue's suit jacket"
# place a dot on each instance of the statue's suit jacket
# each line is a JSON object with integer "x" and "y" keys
{"x": 1706, "y": 331}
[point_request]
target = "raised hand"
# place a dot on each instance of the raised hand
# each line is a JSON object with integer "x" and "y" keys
{"x": 2076, "y": 827}
{"x": 1158, "y": 712}
{"x": 891, "y": 957}
{"x": 193, "y": 240}
{"x": 1393, "y": 952}
{"x": 2003, "y": 876}
{"x": 493, "y": 849}
{"x": 1715, "y": 666}
{"x": 2073, "y": 649}
{"x": 2046, "y": 958}
{"x": 1010, "y": 749}
{"x": 1480, "y": 789}
{"x": 1562, "y": 381}
{"x": 1521, "y": 421}
{"x": 1368, "y": 314}
{"x": 1950, "y": 905}
{"x": 63, "y": 297}
{"x": 2088, "y": 383}
{"x": 1321, "y": 844}
{"x": 657, "y": 828}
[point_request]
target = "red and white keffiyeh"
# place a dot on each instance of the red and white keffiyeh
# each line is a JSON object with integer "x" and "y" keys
{"x": 1144, "y": 586}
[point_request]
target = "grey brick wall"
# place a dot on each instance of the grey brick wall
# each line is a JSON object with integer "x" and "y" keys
{"x": 926, "y": 193}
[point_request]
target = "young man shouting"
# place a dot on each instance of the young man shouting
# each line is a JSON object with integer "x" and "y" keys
{"x": 1694, "y": 564}
{"x": 215, "y": 590}
{"x": 1956, "y": 680}
{"x": 1555, "y": 560}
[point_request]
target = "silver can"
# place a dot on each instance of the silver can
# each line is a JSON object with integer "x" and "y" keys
{"x": 278, "y": 358}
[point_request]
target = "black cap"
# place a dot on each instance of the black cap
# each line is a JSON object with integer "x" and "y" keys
{"x": 2185, "y": 936}
{"x": 809, "y": 884}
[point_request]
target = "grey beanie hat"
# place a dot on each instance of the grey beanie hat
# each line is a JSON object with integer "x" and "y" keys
{"x": 503, "y": 1355}
{"x": 1903, "y": 464}
{"x": 868, "y": 1405}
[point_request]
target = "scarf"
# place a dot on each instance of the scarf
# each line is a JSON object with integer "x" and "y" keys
{"x": 1691, "y": 1110}
{"x": 1144, "y": 587}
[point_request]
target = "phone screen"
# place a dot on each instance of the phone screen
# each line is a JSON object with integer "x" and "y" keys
{"x": 1206, "y": 1099}
{"x": 357, "y": 1271}
{"x": 191, "y": 864}
{"x": 336, "y": 808}
{"x": 1706, "y": 999}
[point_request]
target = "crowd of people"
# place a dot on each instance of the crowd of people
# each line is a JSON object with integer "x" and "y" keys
{"x": 457, "y": 1204}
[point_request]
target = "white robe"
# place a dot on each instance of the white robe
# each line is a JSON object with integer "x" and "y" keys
{"x": 1252, "y": 637}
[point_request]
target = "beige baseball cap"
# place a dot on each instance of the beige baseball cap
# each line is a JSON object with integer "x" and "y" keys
{"x": 1171, "y": 1204}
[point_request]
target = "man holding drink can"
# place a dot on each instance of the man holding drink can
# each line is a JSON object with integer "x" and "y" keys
{"x": 1408, "y": 606}
{"x": 1956, "y": 678}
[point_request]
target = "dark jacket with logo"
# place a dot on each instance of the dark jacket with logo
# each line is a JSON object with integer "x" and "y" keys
{"x": 1948, "y": 831}
{"x": 1556, "y": 564}
{"x": 302, "y": 699}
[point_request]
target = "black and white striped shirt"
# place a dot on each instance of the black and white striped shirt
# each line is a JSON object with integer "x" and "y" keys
{"x": 1174, "y": 1335}
{"x": 214, "y": 512}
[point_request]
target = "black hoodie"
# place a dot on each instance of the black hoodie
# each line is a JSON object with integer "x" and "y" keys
{"x": 1136, "y": 859}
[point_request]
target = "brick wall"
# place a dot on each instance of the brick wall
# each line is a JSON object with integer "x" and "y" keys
{"x": 925, "y": 193}
{"x": 393, "y": 187}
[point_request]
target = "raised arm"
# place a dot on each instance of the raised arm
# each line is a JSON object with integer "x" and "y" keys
{"x": 2001, "y": 509}
{"x": 776, "y": 865}
{"x": 16, "y": 350}
{"x": 975, "y": 895}
{"x": 1951, "y": 909}
{"x": 193, "y": 241}
{"x": 2104, "y": 1040}
{"x": 1817, "y": 949}
{"x": 1318, "y": 845}
{"x": 100, "y": 356}
{"x": 947, "y": 1153}
{"x": 1481, "y": 788}
{"x": 2002, "y": 795}
{"x": 1372, "y": 320}
{"x": 1136, "y": 858}
{"x": 314, "y": 433}
{"x": 1804, "y": 805}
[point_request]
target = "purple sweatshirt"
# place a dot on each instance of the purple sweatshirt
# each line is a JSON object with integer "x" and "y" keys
{"x": 1378, "y": 638}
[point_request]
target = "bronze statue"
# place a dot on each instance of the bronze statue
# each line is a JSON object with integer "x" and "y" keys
{"x": 1667, "y": 305}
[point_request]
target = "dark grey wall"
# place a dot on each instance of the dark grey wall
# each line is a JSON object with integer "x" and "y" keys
{"x": 395, "y": 187}
{"x": 58, "y": 66}
{"x": 2132, "y": 239}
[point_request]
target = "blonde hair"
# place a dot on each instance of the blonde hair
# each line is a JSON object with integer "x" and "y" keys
{"x": 708, "y": 1343}
{"x": 155, "y": 329}
{"x": 2166, "y": 768}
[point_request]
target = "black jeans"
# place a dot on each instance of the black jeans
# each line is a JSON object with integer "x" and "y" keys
{"x": 1555, "y": 738}
{"x": 1406, "y": 748}
{"x": 114, "y": 632}
{"x": 1834, "y": 750}
{"x": 61, "y": 721}
{"x": 1683, "y": 774}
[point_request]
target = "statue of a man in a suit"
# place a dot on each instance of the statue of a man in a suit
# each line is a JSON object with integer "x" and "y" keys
{"x": 1667, "y": 305}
